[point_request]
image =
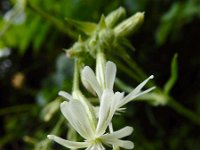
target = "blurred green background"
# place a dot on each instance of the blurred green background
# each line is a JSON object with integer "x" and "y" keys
{"x": 33, "y": 68}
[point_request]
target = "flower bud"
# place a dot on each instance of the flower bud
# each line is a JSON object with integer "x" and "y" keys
{"x": 129, "y": 25}
{"x": 87, "y": 27}
{"x": 77, "y": 50}
{"x": 115, "y": 16}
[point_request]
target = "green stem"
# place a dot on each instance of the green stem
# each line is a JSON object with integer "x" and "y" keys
{"x": 5, "y": 28}
{"x": 45, "y": 144}
{"x": 56, "y": 129}
{"x": 171, "y": 102}
{"x": 138, "y": 71}
{"x": 183, "y": 111}
{"x": 125, "y": 69}
{"x": 76, "y": 76}
{"x": 134, "y": 66}
{"x": 56, "y": 22}
{"x": 123, "y": 86}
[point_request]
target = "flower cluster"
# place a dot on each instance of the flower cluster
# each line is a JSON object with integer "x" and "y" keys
{"x": 96, "y": 127}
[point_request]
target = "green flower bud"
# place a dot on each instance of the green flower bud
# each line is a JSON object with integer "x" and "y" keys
{"x": 129, "y": 25}
{"x": 115, "y": 16}
{"x": 77, "y": 50}
{"x": 87, "y": 27}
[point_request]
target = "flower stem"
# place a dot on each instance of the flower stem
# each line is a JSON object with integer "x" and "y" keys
{"x": 45, "y": 144}
{"x": 76, "y": 76}
{"x": 171, "y": 102}
{"x": 125, "y": 69}
{"x": 183, "y": 111}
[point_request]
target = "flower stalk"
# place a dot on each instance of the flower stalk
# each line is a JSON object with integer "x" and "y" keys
{"x": 76, "y": 76}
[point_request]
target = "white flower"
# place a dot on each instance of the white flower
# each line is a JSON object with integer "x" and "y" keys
{"x": 93, "y": 129}
{"x": 81, "y": 114}
{"x": 105, "y": 80}
{"x": 93, "y": 85}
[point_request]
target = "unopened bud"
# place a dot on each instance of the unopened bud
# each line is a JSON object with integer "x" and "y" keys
{"x": 77, "y": 50}
{"x": 115, "y": 16}
{"x": 130, "y": 25}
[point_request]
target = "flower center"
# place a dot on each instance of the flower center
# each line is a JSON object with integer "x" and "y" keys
{"x": 97, "y": 142}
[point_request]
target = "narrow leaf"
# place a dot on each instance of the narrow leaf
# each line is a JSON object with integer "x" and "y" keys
{"x": 174, "y": 75}
{"x": 86, "y": 27}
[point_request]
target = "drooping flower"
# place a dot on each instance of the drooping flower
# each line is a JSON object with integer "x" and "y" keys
{"x": 93, "y": 129}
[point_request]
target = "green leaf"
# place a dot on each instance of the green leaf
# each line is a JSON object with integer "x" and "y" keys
{"x": 174, "y": 75}
{"x": 168, "y": 22}
{"x": 41, "y": 35}
{"x": 130, "y": 25}
{"x": 86, "y": 27}
{"x": 28, "y": 33}
{"x": 102, "y": 22}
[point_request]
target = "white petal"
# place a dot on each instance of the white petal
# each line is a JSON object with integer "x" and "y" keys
{"x": 110, "y": 74}
{"x": 96, "y": 110}
{"x": 126, "y": 100}
{"x": 76, "y": 114}
{"x": 104, "y": 111}
{"x": 140, "y": 86}
{"x": 144, "y": 92}
{"x": 77, "y": 94}
{"x": 116, "y": 142}
{"x": 66, "y": 143}
{"x": 137, "y": 91}
{"x": 126, "y": 131}
{"x": 100, "y": 69}
{"x": 87, "y": 85}
{"x": 116, "y": 101}
{"x": 126, "y": 144}
{"x": 65, "y": 95}
{"x": 89, "y": 77}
